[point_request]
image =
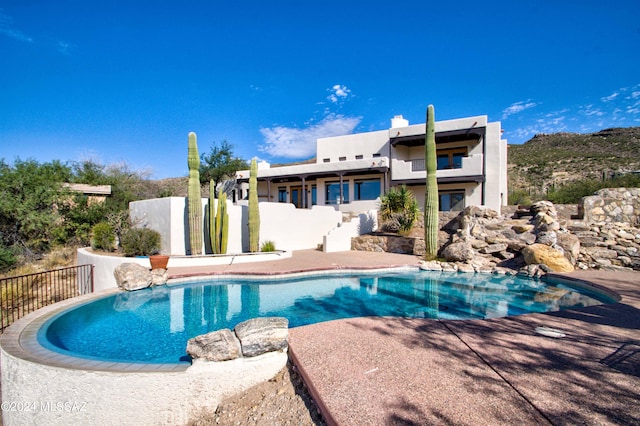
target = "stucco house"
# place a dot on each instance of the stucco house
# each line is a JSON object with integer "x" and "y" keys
{"x": 351, "y": 172}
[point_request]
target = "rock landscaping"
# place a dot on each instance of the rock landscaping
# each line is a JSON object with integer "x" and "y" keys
{"x": 533, "y": 240}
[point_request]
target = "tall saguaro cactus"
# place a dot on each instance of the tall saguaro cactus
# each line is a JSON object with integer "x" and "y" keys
{"x": 194, "y": 197}
{"x": 431, "y": 190}
{"x": 218, "y": 222}
{"x": 254, "y": 212}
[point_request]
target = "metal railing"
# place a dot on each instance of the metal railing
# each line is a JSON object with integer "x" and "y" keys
{"x": 24, "y": 294}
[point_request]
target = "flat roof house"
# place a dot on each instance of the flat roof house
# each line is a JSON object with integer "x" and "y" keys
{"x": 351, "y": 172}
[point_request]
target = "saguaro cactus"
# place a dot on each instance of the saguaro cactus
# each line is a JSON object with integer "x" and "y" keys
{"x": 218, "y": 222}
{"x": 194, "y": 197}
{"x": 431, "y": 189}
{"x": 254, "y": 212}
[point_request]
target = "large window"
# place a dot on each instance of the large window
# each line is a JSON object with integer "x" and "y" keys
{"x": 366, "y": 189}
{"x": 451, "y": 159}
{"x": 332, "y": 193}
{"x": 451, "y": 201}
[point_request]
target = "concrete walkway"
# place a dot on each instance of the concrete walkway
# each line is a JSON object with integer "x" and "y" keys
{"x": 381, "y": 371}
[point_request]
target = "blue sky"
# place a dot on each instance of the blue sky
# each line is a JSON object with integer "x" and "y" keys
{"x": 118, "y": 81}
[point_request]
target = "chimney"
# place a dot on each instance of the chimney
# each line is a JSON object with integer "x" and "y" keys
{"x": 398, "y": 121}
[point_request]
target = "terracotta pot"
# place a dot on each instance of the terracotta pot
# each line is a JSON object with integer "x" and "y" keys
{"x": 159, "y": 261}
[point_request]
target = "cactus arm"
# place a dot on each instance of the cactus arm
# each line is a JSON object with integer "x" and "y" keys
{"x": 194, "y": 197}
{"x": 254, "y": 212}
{"x": 213, "y": 229}
{"x": 224, "y": 223}
{"x": 431, "y": 189}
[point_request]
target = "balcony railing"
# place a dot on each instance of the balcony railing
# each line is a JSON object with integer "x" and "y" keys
{"x": 414, "y": 169}
{"x": 24, "y": 294}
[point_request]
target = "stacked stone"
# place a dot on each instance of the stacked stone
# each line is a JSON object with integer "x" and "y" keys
{"x": 612, "y": 246}
{"x": 612, "y": 205}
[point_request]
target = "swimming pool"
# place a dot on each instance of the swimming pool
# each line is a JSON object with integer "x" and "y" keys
{"x": 153, "y": 325}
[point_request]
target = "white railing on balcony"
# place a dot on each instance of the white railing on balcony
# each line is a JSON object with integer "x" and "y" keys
{"x": 414, "y": 169}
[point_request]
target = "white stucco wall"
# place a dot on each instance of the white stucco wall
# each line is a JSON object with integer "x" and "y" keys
{"x": 349, "y": 146}
{"x": 495, "y": 168}
{"x": 296, "y": 229}
{"x": 65, "y": 396}
{"x": 169, "y": 217}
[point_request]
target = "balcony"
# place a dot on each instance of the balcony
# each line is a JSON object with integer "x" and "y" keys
{"x": 403, "y": 170}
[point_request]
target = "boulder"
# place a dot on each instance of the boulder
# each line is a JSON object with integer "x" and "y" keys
{"x": 571, "y": 246}
{"x": 543, "y": 254}
{"x": 219, "y": 345}
{"x": 460, "y": 251}
{"x": 159, "y": 276}
{"x": 494, "y": 248}
{"x": 132, "y": 276}
{"x": 260, "y": 335}
{"x": 431, "y": 265}
{"x": 547, "y": 238}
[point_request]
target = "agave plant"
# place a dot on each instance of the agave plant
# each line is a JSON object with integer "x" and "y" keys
{"x": 399, "y": 209}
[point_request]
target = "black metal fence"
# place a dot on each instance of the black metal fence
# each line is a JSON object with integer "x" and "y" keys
{"x": 26, "y": 293}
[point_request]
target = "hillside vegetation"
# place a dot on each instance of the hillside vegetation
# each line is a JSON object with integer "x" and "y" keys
{"x": 550, "y": 161}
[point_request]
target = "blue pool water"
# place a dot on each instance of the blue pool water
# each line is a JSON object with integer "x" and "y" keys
{"x": 153, "y": 325}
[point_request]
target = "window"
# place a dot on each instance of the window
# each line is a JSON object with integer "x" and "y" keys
{"x": 332, "y": 193}
{"x": 314, "y": 195}
{"x": 342, "y": 158}
{"x": 451, "y": 201}
{"x": 451, "y": 158}
{"x": 282, "y": 195}
{"x": 359, "y": 157}
{"x": 326, "y": 160}
{"x": 366, "y": 189}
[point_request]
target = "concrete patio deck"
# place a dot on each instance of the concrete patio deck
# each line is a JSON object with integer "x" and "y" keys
{"x": 375, "y": 371}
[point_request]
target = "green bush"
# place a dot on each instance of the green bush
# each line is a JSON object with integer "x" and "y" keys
{"x": 519, "y": 197}
{"x": 102, "y": 236}
{"x": 140, "y": 242}
{"x": 572, "y": 192}
{"x": 7, "y": 258}
{"x": 268, "y": 246}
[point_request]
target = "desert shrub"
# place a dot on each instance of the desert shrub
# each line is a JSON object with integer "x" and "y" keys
{"x": 140, "y": 242}
{"x": 519, "y": 197}
{"x": 102, "y": 236}
{"x": 399, "y": 209}
{"x": 572, "y": 192}
{"x": 268, "y": 246}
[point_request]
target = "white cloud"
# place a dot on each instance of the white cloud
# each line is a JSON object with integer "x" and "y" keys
{"x": 7, "y": 28}
{"x": 339, "y": 92}
{"x": 292, "y": 142}
{"x": 517, "y": 107}
{"x": 610, "y": 98}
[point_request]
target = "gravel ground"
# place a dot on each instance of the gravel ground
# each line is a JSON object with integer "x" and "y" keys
{"x": 283, "y": 400}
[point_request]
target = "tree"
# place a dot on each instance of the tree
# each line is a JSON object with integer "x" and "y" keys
{"x": 220, "y": 164}
{"x": 30, "y": 194}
